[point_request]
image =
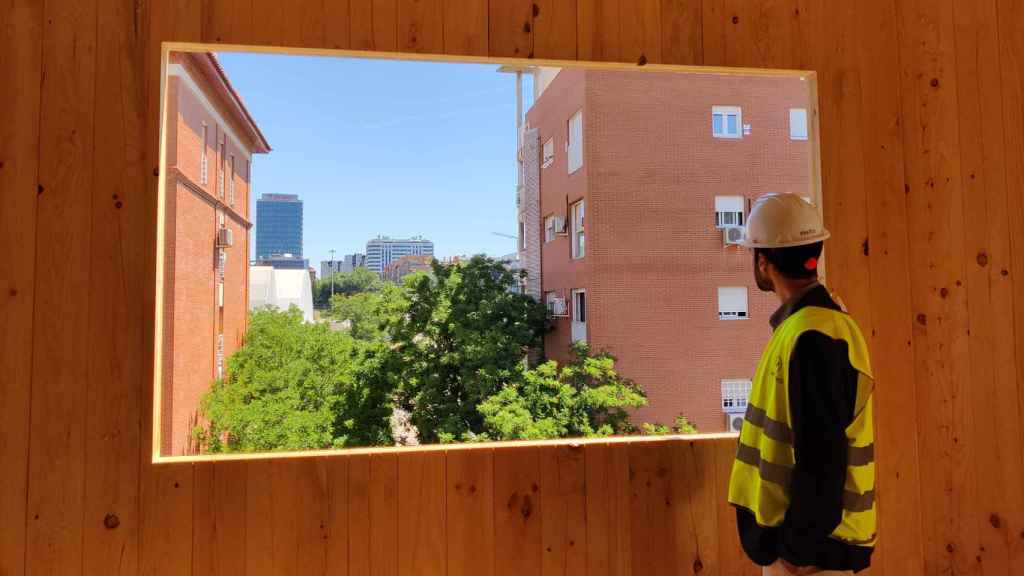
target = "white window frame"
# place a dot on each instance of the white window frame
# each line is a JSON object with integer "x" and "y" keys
{"x": 220, "y": 356}
{"x": 725, "y": 112}
{"x": 735, "y": 395}
{"x": 204, "y": 162}
{"x": 730, "y": 211}
{"x": 729, "y": 311}
{"x": 549, "y": 153}
{"x": 574, "y": 141}
{"x": 798, "y": 126}
{"x": 521, "y": 236}
{"x": 578, "y": 211}
{"x": 231, "y": 183}
{"x": 221, "y": 168}
{"x": 579, "y": 327}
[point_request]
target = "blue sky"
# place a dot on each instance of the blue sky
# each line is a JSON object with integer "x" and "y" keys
{"x": 397, "y": 148}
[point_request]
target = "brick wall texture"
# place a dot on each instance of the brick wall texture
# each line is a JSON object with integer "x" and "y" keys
{"x": 193, "y": 212}
{"x": 654, "y": 259}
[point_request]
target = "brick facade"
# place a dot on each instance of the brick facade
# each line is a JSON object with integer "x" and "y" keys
{"x": 654, "y": 258}
{"x": 198, "y": 95}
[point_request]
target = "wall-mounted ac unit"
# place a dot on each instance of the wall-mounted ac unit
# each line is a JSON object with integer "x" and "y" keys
{"x": 734, "y": 422}
{"x": 733, "y": 235}
{"x": 557, "y": 308}
{"x": 225, "y": 238}
{"x": 560, "y": 228}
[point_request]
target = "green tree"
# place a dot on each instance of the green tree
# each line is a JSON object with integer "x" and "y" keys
{"x": 584, "y": 398}
{"x": 296, "y": 386}
{"x": 358, "y": 281}
{"x": 461, "y": 337}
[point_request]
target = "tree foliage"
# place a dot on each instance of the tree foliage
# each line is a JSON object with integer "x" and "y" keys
{"x": 584, "y": 398}
{"x": 358, "y": 281}
{"x": 368, "y": 314}
{"x": 462, "y": 337}
{"x": 296, "y": 386}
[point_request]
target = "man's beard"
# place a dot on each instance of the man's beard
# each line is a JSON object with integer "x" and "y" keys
{"x": 763, "y": 282}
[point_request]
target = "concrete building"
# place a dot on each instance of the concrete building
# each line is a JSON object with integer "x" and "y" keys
{"x": 271, "y": 287}
{"x": 209, "y": 139}
{"x": 278, "y": 226}
{"x": 382, "y": 250}
{"x": 406, "y": 265}
{"x": 282, "y": 261}
{"x": 633, "y": 190}
{"x": 345, "y": 265}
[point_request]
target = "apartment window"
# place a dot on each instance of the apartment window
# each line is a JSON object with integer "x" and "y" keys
{"x": 578, "y": 246}
{"x": 204, "y": 164}
{"x": 574, "y": 145}
{"x": 220, "y": 294}
{"x": 579, "y": 315}
{"x": 220, "y": 172}
{"x": 726, "y": 121}
{"x": 556, "y": 305}
{"x": 550, "y": 228}
{"x": 729, "y": 211}
{"x": 231, "y": 183}
{"x": 798, "y": 124}
{"x": 732, "y": 303}
{"x": 549, "y": 153}
{"x": 220, "y": 356}
{"x": 735, "y": 395}
{"x": 222, "y": 259}
{"x": 522, "y": 236}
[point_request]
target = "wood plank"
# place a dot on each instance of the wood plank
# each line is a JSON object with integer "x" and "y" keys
{"x": 681, "y": 32}
{"x": 651, "y": 507}
{"x": 118, "y": 344}
{"x": 60, "y": 352}
{"x": 640, "y": 30}
{"x": 891, "y": 347}
{"x": 385, "y": 25}
{"x": 732, "y": 559}
{"x": 259, "y": 516}
{"x": 695, "y": 502}
{"x": 337, "y": 25}
{"x": 517, "y": 511}
{"x": 1000, "y": 506}
{"x": 21, "y": 38}
{"x": 714, "y": 22}
{"x": 469, "y": 512}
{"x": 760, "y": 34}
{"x": 941, "y": 354}
{"x": 510, "y": 28}
{"x": 360, "y": 24}
{"x": 298, "y": 520}
{"x": 554, "y": 29}
{"x": 564, "y": 518}
{"x": 609, "y": 522}
{"x": 421, "y": 506}
{"x": 465, "y": 27}
{"x": 227, "y": 21}
{"x": 219, "y": 519}
{"x": 359, "y": 515}
{"x": 268, "y": 22}
{"x": 421, "y": 26}
{"x": 598, "y": 31}
{"x": 165, "y": 524}
{"x": 383, "y": 515}
{"x": 337, "y": 517}
{"x": 1011, "y": 52}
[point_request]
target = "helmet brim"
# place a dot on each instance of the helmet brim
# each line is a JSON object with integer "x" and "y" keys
{"x": 821, "y": 237}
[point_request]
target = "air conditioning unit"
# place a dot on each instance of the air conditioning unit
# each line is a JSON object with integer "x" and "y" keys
{"x": 560, "y": 228}
{"x": 733, "y": 235}
{"x": 734, "y": 422}
{"x": 558, "y": 308}
{"x": 225, "y": 238}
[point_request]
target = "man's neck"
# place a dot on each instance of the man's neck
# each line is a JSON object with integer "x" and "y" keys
{"x": 785, "y": 288}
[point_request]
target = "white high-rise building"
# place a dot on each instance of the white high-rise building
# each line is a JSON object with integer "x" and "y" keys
{"x": 383, "y": 250}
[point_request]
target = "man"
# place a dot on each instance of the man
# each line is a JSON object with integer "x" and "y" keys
{"x": 803, "y": 481}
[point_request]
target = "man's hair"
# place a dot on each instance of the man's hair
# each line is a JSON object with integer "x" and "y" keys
{"x": 798, "y": 262}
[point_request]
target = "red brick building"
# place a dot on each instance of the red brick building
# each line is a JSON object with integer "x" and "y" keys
{"x": 407, "y": 265}
{"x": 637, "y": 177}
{"x": 209, "y": 140}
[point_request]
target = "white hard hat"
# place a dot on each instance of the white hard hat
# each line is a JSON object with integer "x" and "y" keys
{"x": 783, "y": 221}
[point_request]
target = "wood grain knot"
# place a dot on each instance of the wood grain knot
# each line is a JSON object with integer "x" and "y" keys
{"x": 735, "y": 19}
{"x": 944, "y": 292}
{"x": 934, "y": 83}
{"x": 922, "y": 319}
{"x": 111, "y": 521}
{"x": 982, "y": 259}
{"x": 995, "y": 521}
{"x": 697, "y": 566}
{"x": 527, "y": 508}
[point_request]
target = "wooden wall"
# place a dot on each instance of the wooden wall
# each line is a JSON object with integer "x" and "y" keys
{"x": 923, "y": 166}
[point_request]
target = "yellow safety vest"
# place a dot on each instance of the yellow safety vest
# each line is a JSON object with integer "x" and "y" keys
{"x": 765, "y": 458}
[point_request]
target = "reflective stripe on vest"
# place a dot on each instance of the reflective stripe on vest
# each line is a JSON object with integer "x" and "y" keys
{"x": 765, "y": 458}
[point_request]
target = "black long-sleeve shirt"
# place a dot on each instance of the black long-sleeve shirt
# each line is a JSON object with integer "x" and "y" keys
{"x": 822, "y": 396}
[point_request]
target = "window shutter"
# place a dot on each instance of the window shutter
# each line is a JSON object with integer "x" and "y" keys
{"x": 732, "y": 302}
{"x": 798, "y": 124}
